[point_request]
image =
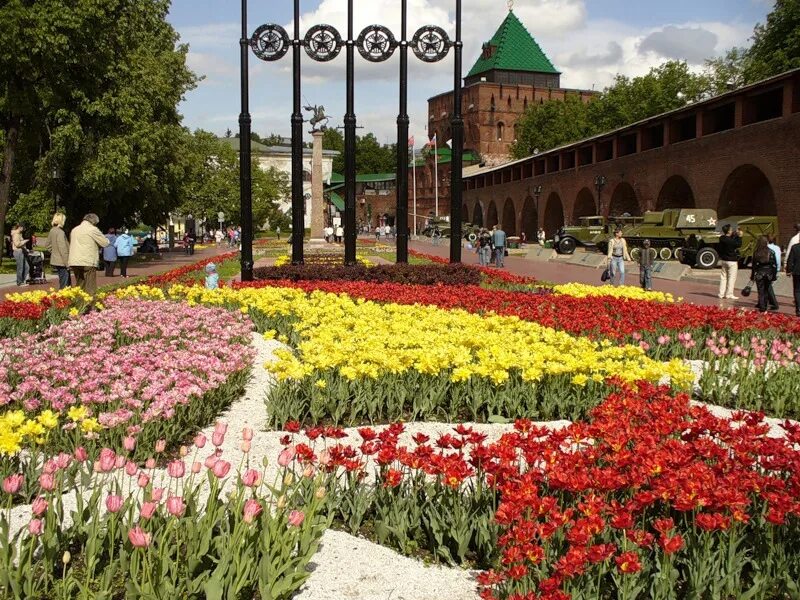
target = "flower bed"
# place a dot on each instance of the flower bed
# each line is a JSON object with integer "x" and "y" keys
{"x": 27, "y": 312}
{"x": 361, "y": 362}
{"x": 121, "y": 372}
{"x": 651, "y": 498}
{"x": 400, "y": 274}
{"x": 142, "y": 533}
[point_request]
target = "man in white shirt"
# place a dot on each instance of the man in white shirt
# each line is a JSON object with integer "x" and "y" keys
{"x": 794, "y": 240}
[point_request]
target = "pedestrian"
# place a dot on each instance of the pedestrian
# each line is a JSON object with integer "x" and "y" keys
{"x": 764, "y": 272}
{"x": 110, "y": 252}
{"x": 617, "y": 255}
{"x": 793, "y": 269}
{"x": 484, "y": 247}
{"x": 124, "y": 245}
{"x": 377, "y": 234}
{"x": 218, "y": 237}
{"x": 192, "y": 241}
{"x": 541, "y": 236}
{"x": 85, "y": 240}
{"x": 646, "y": 266}
{"x": 19, "y": 246}
{"x": 522, "y": 239}
{"x": 499, "y": 243}
{"x": 794, "y": 241}
{"x": 339, "y": 234}
{"x": 437, "y": 235}
{"x": 58, "y": 247}
{"x": 729, "y": 244}
{"x": 278, "y": 231}
{"x": 212, "y": 277}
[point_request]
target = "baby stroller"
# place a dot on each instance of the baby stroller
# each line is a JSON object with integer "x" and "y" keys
{"x": 36, "y": 268}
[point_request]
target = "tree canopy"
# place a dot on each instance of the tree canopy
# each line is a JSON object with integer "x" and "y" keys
{"x": 88, "y": 108}
{"x": 371, "y": 156}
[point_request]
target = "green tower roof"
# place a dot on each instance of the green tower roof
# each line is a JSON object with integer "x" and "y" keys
{"x": 515, "y": 50}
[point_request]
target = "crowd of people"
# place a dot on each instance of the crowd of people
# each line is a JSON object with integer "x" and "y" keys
{"x": 490, "y": 246}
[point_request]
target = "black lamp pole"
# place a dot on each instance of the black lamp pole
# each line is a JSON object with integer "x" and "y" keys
{"x": 298, "y": 212}
{"x": 245, "y": 180}
{"x": 350, "y": 148}
{"x": 402, "y": 144}
{"x": 456, "y": 165}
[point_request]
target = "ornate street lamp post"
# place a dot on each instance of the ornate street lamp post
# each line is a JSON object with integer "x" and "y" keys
{"x": 375, "y": 43}
{"x": 599, "y": 183}
{"x": 537, "y": 193}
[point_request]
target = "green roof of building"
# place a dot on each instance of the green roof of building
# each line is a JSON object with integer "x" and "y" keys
{"x": 337, "y": 201}
{"x": 515, "y": 50}
{"x": 337, "y": 178}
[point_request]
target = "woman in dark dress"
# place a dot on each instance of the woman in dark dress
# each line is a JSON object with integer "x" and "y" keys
{"x": 765, "y": 271}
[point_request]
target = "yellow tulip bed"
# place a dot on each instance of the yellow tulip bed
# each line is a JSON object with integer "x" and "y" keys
{"x": 355, "y": 361}
{"x": 581, "y": 290}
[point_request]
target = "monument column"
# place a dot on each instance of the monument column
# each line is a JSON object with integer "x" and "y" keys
{"x": 317, "y": 200}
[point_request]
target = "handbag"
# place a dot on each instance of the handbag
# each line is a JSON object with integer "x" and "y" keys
{"x": 505, "y": 252}
{"x": 606, "y": 274}
{"x": 748, "y": 289}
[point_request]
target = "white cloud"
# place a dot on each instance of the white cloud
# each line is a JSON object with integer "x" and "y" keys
{"x": 215, "y": 69}
{"x": 212, "y": 35}
{"x": 692, "y": 44}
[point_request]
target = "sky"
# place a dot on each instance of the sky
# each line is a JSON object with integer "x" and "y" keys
{"x": 589, "y": 41}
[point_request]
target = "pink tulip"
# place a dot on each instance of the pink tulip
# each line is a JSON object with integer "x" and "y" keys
{"x": 183, "y": 451}
{"x": 175, "y": 506}
{"x": 286, "y": 456}
{"x": 148, "y": 509}
{"x": 221, "y": 468}
{"x": 251, "y": 510}
{"x": 12, "y": 483}
{"x": 35, "y": 527}
{"x": 39, "y": 507}
{"x": 81, "y": 455}
{"x": 129, "y": 443}
{"x": 308, "y": 472}
{"x": 296, "y": 518}
{"x": 247, "y": 434}
{"x": 144, "y": 480}
{"x": 107, "y": 460}
{"x": 217, "y": 438}
{"x": 47, "y": 482}
{"x": 251, "y": 478}
{"x": 220, "y": 427}
{"x": 176, "y": 469}
{"x": 131, "y": 469}
{"x": 211, "y": 461}
{"x": 199, "y": 440}
{"x": 245, "y": 446}
{"x": 120, "y": 462}
{"x": 157, "y": 494}
{"x": 196, "y": 467}
{"x": 325, "y": 458}
{"x": 49, "y": 467}
{"x": 161, "y": 445}
{"x": 138, "y": 537}
{"x": 114, "y": 503}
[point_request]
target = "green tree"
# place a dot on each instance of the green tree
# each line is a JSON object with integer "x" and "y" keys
{"x": 213, "y": 184}
{"x": 371, "y": 157}
{"x": 94, "y": 85}
{"x": 332, "y": 139}
{"x": 551, "y": 124}
{"x": 776, "y": 43}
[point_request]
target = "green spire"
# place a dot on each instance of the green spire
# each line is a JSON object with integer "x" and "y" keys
{"x": 514, "y": 50}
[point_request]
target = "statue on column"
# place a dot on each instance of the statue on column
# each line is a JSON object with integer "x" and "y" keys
{"x": 319, "y": 117}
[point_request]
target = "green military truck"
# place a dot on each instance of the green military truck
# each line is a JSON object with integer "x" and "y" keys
{"x": 701, "y": 248}
{"x": 570, "y": 237}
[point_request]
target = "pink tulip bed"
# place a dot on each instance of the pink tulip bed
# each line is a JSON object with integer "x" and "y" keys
{"x": 129, "y": 375}
{"x": 202, "y": 528}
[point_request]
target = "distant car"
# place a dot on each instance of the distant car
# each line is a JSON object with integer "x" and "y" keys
{"x": 701, "y": 249}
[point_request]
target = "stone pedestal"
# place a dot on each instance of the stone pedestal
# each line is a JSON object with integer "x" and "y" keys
{"x": 317, "y": 200}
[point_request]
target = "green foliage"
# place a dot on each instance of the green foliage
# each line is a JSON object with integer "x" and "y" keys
{"x": 727, "y": 72}
{"x": 664, "y": 88}
{"x": 213, "y": 183}
{"x": 776, "y": 43}
{"x": 371, "y": 156}
{"x": 94, "y": 90}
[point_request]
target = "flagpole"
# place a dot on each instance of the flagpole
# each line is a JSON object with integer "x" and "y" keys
{"x": 414, "y": 168}
{"x": 436, "y": 173}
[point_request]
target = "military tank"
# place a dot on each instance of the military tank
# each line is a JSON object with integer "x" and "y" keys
{"x": 667, "y": 231}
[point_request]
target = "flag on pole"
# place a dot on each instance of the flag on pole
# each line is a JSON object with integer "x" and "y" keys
{"x": 433, "y": 141}
{"x": 411, "y": 142}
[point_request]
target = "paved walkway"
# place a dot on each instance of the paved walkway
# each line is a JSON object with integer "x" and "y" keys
{"x": 167, "y": 262}
{"x": 698, "y": 292}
